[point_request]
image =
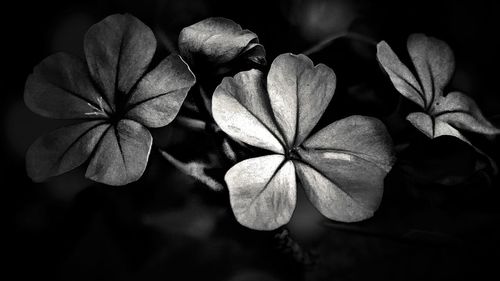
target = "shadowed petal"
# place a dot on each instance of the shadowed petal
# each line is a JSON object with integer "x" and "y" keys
{"x": 160, "y": 94}
{"x": 118, "y": 51}
{"x": 63, "y": 149}
{"x": 434, "y": 62}
{"x": 462, "y": 112}
{"x": 299, "y": 93}
{"x": 61, "y": 87}
{"x": 241, "y": 109}
{"x": 121, "y": 155}
{"x": 218, "y": 41}
{"x": 262, "y": 191}
{"x": 402, "y": 78}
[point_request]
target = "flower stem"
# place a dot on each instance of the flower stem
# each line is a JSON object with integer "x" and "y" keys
{"x": 345, "y": 34}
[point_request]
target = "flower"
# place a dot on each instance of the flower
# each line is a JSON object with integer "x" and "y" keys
{"x": 341, "y": 167}
{"x": 218, "y": 42}
{"x": 113, "y": 96}
{"x": 434, "y": 63}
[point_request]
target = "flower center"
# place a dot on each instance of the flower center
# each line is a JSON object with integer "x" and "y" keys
{"x": 293, "y": 154}
{"x": 120, "y": 108}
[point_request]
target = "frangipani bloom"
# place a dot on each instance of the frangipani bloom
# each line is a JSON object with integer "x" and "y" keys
{"x": 342, "y": 167}
{"x": 434, "y": 63}
{"x": 115, "y": 97}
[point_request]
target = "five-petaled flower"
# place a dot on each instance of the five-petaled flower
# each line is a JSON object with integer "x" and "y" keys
{"x": 116, "y": 97}
{"x": 434, "y": 63}
{"x": 341, "y": 168}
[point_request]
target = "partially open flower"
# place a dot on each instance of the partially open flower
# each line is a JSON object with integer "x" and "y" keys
{"x": 215, "y": 43}
{"x": 113, "y": 95}
{"x": 434, "y": 63}
{"x": 342, "y": 167}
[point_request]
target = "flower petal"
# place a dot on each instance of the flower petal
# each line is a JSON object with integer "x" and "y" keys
{"x": 353, "y": 202}
{"x": 61, "y": 87}
{"x": 118, "y": 51}
{"x": 434, "y": 62}
{"x": 299, "y": 93}
{"x": 262, "y": 191}
{"x": 160, "y": 94}
{"x": 402, "y": 78}
{"x": 63, "y": 149}
{"x": 241, "y": 109}
{"x": 462, "y": 112}
{"x": 121, "y": 155}
{"x": 343, "y": 166}
{"x": 218, "y": 41}
{"x": 423, "y": 122}
{"x": 359, "y": 136}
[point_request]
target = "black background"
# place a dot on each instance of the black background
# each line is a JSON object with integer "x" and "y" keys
{"x": 167, "y": 226}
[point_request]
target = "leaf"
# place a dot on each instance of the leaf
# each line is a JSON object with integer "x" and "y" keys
{"x": 462, "y": 112}
{"x": 402, "y": 78}
{"x": 343, "y": 166}
{"x": 160, "y": 94}
{"x": 262, "y": 191}
{"x": 118, "y": 50}
{"x": 121, "y": 155}
{"x": 241, "y": 109}
{"x": 63, "y": 149}
{"x": 434, "y": 62}
{"x": 219, "y": 41}
{"x": 299, "y": 93}
{"x": 61, "y": 87}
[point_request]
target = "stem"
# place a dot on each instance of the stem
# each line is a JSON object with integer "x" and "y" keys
{"x": 192, "y": 123}
{"x": 345, "y": 34}
{"x": 193, "y": 169}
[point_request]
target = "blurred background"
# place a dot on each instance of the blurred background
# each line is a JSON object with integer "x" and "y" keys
{"x": 439, "y": 219}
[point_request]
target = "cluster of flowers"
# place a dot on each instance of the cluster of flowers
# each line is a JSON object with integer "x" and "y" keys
{"x": 116, "y": 93}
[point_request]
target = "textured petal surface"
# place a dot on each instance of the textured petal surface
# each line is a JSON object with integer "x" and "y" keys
{"x": 218, "y": 41}
{"x": 361, "y": 136}
{"x": 434, "y": 61}
{"x": 63, "y": 149}
{"x": 241, "y": 109}
{"x": 61, "y": 87}
{"x": 343, "y": 167}
{"x": 121, "y": 155}
{"x": 118, "y": 50}
{"x": 402, "y": 78}
{"x": 462, "y": 112}
{"x": 299, "y": 93}
{"x": 160, "y": 94}
{"x": 262, "y": 191}
{"x": 433, "y": 127}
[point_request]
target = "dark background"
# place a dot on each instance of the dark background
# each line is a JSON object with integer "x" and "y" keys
{"x": 168, "y": 226}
